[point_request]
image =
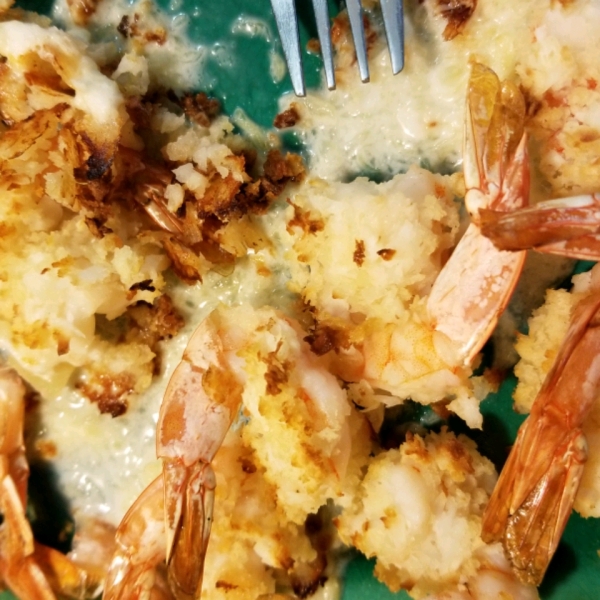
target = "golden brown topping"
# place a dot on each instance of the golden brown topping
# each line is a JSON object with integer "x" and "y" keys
{"x": 221, "y": 584}
{"x": 278, "y": 171}
{"x": 303, "y": 220}
{"x": 386, "y": 253}
{"x": 62, "y": 344}
{"x": 307, "y": 578}
{"x": 73, "y": 170}
{"x": 132, "y": 27}
{"x": 44, "y": 75}
{"x": 82, "y": 10}
{"x": 109, "y": 392}
{"x": 188, "y": 266}
{"x": 439, "y": 191}
{"x": 462, "y": 460}
{"x": 153, "y": 323}
{"x": 276, "y": 374}
{"x": 342, "y": 40}
{"x": 359, "y": 252}
{"x": 45, "y": 449}
{"x": 288, "y": 118}
{"x": 220, "y": 196}
{"x": 97, "y": 228}
{"x": 325, "y": 338}
{"x": 283, "y": 169}
{"x": 139, "y": 111}
{"x": 200, "y": 108}
{"x": 457, "y": 13}
{"x": 247, "y": 464}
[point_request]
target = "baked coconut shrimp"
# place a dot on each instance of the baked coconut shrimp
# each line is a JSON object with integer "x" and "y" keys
{"x": 418, "y": 512}
{"x": 29, "y": 569}
{"x": 538, "y": 349}
{"x": 539, "y": 483}
{"x": 402, "y": 319}
{"x": 249, "y": 367}
{"x": 537, "y": 487}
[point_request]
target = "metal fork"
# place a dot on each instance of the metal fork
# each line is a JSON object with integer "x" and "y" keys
{"x": 287, "y": 24}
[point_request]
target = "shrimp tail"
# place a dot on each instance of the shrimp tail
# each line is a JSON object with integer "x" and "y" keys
{"x": 189, "y": 499}
{"x": 496, "y": 160}
{"x": 471, "y": 292}
{"x": 534, "y": 531}
{"x": 139, "y": 548}
{"x": 533, "y": 498}
{"x": 201, "y": 401}
{"x": 19, "y": 569}
{"x": 531, "y": 531}
{"x": 566, "y": 226}
{"x": 64, "y": 575}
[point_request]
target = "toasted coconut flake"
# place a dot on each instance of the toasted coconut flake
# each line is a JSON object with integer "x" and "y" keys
{"x": 62, "y": 74}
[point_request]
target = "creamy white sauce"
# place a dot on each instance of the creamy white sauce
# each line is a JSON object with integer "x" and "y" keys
{"x": 103, "y": 463}
{"x": 418, "y": 115}
{"x": 382, "y": 127}
{"x": 176, "y": 64}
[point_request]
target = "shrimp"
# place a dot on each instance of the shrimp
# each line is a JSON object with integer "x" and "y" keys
{"x": 536, "y": 490}
{"x": 565, "y": 226}
{"x": 418, "y": 513}
{"x": 474, "y": 286}
{"x": 493, "y": 579}
{"x": 476, "y": 283}
{"x": 399, "y": 317}
{"x": 532, "y": 501}
{"x": 243, "y": 364}
{"x": 29, "y": 569}
{"x": 140, "y": 547}
{"x": 200, "y": 404}
{"x": 17, "y": 566}
{"x": 534, "y": 496}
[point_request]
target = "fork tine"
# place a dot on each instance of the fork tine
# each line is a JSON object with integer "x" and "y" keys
{"x": 287, "y": 24}
{"x": 358, "y": 34}
{"x": 322, "y": 17}
{"x": 393, "y": 20}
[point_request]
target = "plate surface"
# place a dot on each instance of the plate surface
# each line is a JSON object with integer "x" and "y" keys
{"x": 243, "y": 81}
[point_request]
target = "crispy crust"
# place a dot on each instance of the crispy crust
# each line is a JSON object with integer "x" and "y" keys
{"x": 457, "y": 13}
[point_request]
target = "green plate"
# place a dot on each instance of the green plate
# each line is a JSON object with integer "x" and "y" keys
{"x": 245, "y": 83}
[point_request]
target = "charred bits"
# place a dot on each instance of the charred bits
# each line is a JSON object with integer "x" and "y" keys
{"x": 200, "y": 108}
{"x": 457, "y": 13}
{"x": 325, "y": 338}
{"x": 386, "y": 253}
{"x": 359, "y": 252}
{"x": 276, "y": 375}
{"x": 287, "y": 118}
{"x": 304, "y": 221}
{"x": 108, "y": 392}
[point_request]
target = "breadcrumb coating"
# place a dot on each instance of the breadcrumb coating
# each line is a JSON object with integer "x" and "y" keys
{"x": 366, "y": 282}
{"x": 418, "y": 512}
